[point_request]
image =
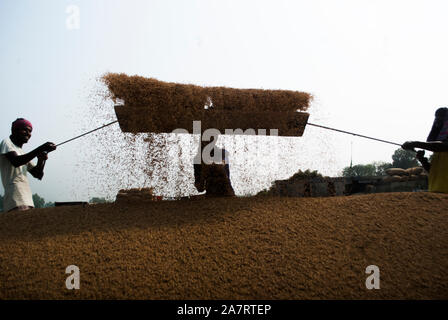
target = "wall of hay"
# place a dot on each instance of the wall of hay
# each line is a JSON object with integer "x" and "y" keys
{"x": 151, "y": 105}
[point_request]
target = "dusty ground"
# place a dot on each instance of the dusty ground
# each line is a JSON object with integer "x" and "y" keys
{"x": 238, "y": 248}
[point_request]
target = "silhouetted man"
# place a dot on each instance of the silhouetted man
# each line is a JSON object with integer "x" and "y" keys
{"x": 436, "y": 142}
{"x": 15, "y": 163}
{"x": 214, "y": 178}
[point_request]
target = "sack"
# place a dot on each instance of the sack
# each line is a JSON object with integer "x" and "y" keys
{"x": 396, "y": 172}
{"x": 415, "y": 171}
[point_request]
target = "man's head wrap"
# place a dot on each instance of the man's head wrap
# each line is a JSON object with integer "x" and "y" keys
{"x": 21, "y": 123}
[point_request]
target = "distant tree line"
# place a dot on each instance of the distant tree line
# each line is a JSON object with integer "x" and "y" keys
{"x": 400, "y": 159}
{"x": 98, "y": 200}
{"x": 39, "y": 202}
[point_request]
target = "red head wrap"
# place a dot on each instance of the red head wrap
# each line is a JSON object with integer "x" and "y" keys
{"x": 21, "y": 123}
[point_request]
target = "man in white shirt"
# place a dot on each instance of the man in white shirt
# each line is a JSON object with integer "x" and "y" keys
{"x": 15, "y": 163}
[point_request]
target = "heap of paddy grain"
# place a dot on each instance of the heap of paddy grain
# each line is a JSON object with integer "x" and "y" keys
{"x": 231, "y": 248}
{"x": 160, "y": 107}
{"x": 163, "y": 106}
{"x": 183, "y": 98}
{"x": 410, "y": 174}
{"x": 135, "y": 195}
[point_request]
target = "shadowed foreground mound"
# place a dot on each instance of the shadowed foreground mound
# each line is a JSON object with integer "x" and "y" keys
{"x": 232, "y": 248}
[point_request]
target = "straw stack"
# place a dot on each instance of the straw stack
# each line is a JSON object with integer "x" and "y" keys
{"x": 151, "y": 105}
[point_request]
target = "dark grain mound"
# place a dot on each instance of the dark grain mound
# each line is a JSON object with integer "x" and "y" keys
{"x": 231, "y": 248}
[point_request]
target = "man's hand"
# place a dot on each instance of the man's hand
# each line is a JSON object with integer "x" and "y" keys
{"x": 47, "y": 147}
{"x": 420, "y": 155}
{"x": 18, "y": 161}
{"x": 424, "y": 161}
{"x": 409, "y": 145}
{"x": 42, "y": 156}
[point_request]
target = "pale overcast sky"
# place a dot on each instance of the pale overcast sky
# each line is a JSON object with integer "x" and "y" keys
{"x": 377, "y": 68}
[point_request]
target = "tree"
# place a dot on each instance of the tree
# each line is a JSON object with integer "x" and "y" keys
{"x": 359, "y": 170}
{"x": 97, "y": 200}
{"x": 401, "y": 159}
{"x": 367, "y": 170}
{"x": 404, "y": 159}
{"x": 39, "y": 202}
{"x": 381, "y": 168}
{"x": 305, "y": 175}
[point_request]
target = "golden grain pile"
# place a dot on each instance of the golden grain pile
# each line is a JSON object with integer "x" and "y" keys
{"x": 135, "y": 194}
{"x": 151, "y": 105}
{"x": 158, "y": 96}
{"x": 231, "y": 248}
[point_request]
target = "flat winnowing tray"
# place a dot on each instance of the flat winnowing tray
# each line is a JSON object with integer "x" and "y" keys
{"x": 143, "y": 119}
{"x": 156, "y": 106}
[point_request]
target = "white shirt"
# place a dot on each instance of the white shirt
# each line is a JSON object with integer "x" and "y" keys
{"x": 15, "y": 180}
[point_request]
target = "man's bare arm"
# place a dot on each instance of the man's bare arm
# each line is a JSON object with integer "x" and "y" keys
{"x": 423, "y": 160}
{"x": 18, "y": 161}
{"x": 434, "y": 146}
